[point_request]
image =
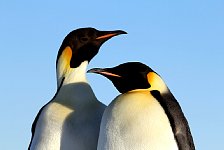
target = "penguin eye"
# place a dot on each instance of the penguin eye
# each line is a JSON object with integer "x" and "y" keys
{"x": 84, "y": 39}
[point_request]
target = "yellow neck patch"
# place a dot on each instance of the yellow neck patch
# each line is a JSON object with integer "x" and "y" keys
{"x": 156, "y": 82}
{"x": 64, "y": 59}
{"x": 64, "y": 63}
{"x": 70, "y": 75}
{"x": 66, "y": 56}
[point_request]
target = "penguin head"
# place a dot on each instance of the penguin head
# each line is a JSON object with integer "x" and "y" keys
{"x": 132, "y": 76}
{"x": 83, "y": 44}
{"x": 77, "y": 50}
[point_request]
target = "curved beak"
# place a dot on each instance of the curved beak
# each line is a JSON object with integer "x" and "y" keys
{"x": 103, "y": 71}
{"x": 108, "y": 34}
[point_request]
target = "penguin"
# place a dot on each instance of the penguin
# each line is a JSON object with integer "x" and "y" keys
{"x": 145, "y": 116}
{"x": 71, "y": 120}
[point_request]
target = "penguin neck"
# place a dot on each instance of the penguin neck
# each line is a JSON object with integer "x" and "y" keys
{"x": 69, "y": 75}
{"x": 157, "y": 83}
{"x": 73, "y": 88}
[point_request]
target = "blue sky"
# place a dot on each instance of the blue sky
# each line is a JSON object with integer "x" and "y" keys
{"x": 183, "y": 41}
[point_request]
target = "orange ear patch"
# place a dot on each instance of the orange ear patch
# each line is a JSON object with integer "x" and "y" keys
{"x": 156, "y": 82}
{"x": 64, "y": 60}
{"x": 151, "y": 77}
{"x": 66, "y": 54}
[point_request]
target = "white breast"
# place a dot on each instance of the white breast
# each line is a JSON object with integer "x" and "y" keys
{"x": 136, "y": 121}
{"x": 70, "y": 121}
{"x": 49, "y": 127}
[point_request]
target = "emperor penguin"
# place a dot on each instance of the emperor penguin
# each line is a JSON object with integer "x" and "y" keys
{"x": 145, "y": 116}
{"x": 71, "y": 120}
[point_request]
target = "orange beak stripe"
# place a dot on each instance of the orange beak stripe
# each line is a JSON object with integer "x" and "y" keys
{"x": 106, "y": 36}
{"x": 109, "y": 74}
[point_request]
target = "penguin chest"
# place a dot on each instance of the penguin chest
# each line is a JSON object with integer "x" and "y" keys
{"x": 61, "y": 127}
{"x": 51, "y": 127}
{"x": 137, "y": 121}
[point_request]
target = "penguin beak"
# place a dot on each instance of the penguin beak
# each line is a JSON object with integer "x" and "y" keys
{"x": 103, "y": 71}
{"x": 108, "y": 34}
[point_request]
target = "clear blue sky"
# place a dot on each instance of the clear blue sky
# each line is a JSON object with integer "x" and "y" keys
{"x": 182, "y": 40}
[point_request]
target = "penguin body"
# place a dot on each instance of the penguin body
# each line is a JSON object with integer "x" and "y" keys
{"x": 136, "y": 121}
{"x": 70, "y": 124}
{"x": 72, "y": 118}
{"x": 145, "y": 116}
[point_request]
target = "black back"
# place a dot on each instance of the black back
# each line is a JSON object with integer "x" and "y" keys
{"x": 177, "y": 120}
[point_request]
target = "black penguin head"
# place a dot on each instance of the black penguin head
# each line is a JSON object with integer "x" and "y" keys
{"x": 84, "y": 44}
{"x": 127, "y": 77}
